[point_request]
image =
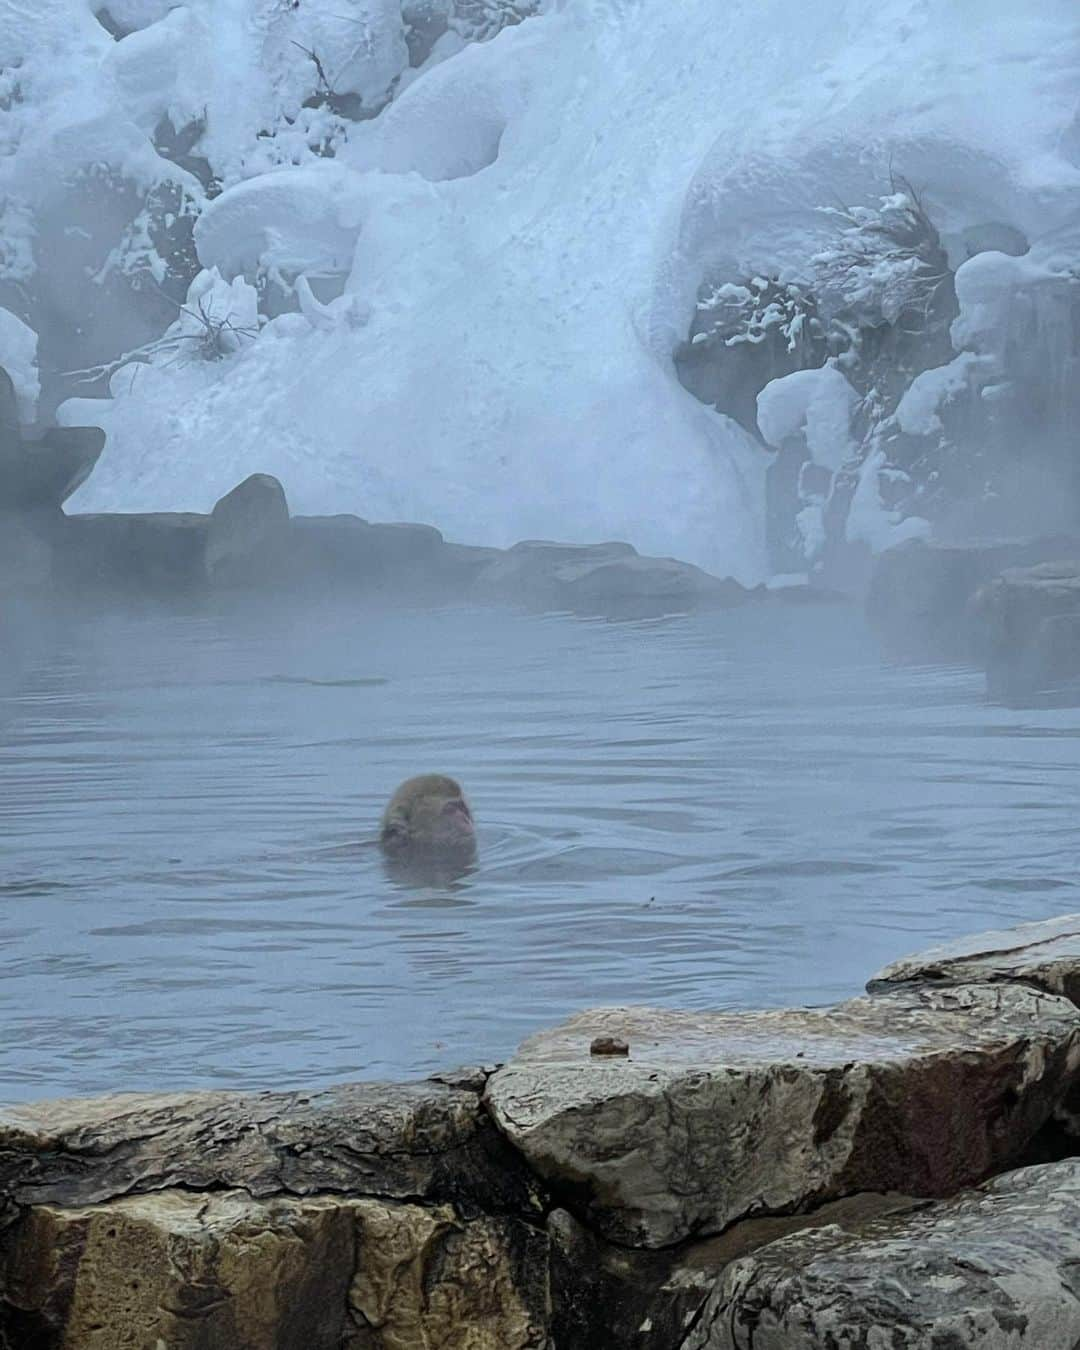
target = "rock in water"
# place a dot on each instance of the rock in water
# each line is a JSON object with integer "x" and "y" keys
{"x": 10, "y": 430}
{"x": 607, "y": 580}
{"x": 722, "y": 1116}
{"x": 1043, "y": 955}
{"x": 249, "y": 527}
{"x": 921, "y": 595}
{"x": 160, "y": 553}
{"x": 26, "y": 553}
{"x": 36, "y": 477}
{"x": 1027, "y": 624}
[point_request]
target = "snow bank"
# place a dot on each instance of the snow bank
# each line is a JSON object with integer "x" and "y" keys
{"x": 532, "y": 219}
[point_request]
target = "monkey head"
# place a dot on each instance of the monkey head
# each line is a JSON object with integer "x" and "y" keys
{"x": 428, "y": 814}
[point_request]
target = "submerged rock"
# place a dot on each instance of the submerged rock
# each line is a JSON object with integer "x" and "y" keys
{"x": 715, "y": 1117}
{"x": 993, "y": 1269}
{"x": 248, "y": 534}
{"x": 223, "y": 1271}
{"x": 609, "y": 580}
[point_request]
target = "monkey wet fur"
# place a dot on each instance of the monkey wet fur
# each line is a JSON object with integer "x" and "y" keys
{"x": 428, "y": 815}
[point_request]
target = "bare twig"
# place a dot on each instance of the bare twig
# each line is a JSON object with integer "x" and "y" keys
{"x": 209, "y": 342}
{"x": 313, "y": 55}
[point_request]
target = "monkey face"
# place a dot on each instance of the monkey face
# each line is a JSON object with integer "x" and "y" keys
{"x": 428, "y": 814}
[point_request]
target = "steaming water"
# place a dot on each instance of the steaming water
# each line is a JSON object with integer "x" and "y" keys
{"x": 727, "y": 811}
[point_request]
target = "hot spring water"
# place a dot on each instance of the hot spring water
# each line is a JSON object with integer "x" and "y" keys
{"x": 731, "y": 810}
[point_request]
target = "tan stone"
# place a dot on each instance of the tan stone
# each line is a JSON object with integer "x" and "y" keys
{"x": 183, "y": 1271}
{"x": 222, "y": 1271}
{"x": 715, "y": 1117}
{"x": 425, "y": 1280}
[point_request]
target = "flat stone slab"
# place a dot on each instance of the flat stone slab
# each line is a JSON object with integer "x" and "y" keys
{"x": 994, "y": 1269}
{"x": 715, "y": 1117}
{"x": 1044, "y": 955}
{"x": 429, "y": 1140}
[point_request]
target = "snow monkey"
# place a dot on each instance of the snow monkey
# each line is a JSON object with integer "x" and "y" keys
{"x": 428, "y": 815}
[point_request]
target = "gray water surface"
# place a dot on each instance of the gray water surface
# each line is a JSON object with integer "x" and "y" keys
{"x": 738, "y": 810}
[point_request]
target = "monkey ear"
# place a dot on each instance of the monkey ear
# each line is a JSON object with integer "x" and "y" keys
{"x": 393, "y": 832}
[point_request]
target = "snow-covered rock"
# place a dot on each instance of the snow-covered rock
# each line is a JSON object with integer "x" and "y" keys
{"x": 529, "y": 221}
{"x": 18, "y": 356}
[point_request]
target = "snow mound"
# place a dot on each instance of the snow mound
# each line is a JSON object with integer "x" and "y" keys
{"x": 297, "y": 221}
{"x": 817, "y": 403}
{"x": 450, "y": 123}
{"x": 155, "y": 71}
{"x": 917, "y": 412}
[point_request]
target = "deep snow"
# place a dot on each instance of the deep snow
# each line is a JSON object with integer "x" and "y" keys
{"x": 522, "y": 231}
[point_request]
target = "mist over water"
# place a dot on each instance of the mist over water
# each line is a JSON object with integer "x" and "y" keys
{"x": 736, "y": 810}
